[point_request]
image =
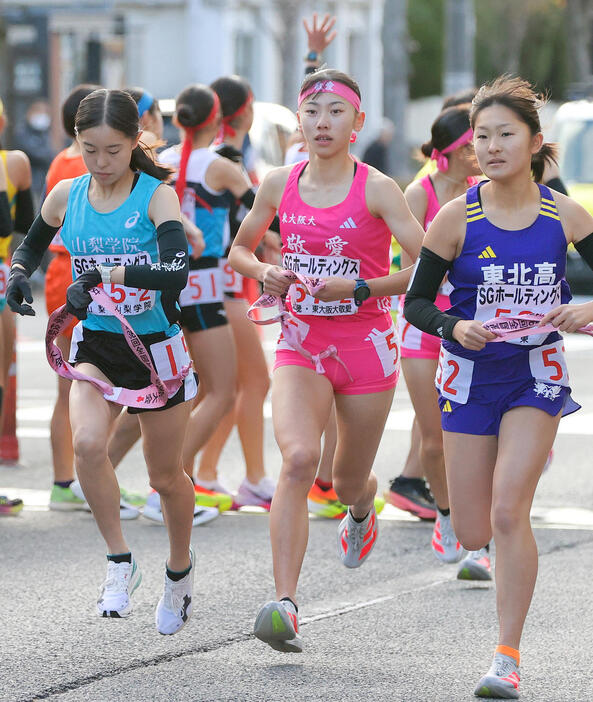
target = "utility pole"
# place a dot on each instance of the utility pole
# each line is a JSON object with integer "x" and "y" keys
{"x": 460, "y": 31}
{"x": 395, "y": 81}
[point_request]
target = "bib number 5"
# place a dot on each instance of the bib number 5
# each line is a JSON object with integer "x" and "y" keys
{"x": 547, "y": 363}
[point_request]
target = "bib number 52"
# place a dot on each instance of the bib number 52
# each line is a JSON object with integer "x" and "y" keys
{"x": 547, "y": 363}
{"x": 454, "y": 376}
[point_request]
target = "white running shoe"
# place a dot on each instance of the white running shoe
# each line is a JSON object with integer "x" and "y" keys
{"x": 121, "y": 581}
{"x": 126, "y": 510}
{"x": 152, "y": 510}
{"x": 444, "y": 542}
{"x": 256, "y": 494}
{"x": 357, "y": 539}
{"x": 277, "y": 624}
{"x": 475, "y": 566}
{"x": 502, "y": 680}
{"x": 176, "y": 605}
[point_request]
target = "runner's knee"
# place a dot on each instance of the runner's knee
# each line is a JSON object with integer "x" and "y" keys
{"x": 299, "y": 465}
{"x": 507, "y": 517}
{"x": 88, "y": 448}
{"x": 347, "y": 490}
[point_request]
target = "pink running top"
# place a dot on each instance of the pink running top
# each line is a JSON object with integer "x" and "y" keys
{"x": 433, "y": 205}
{"x": 344, "y": 240}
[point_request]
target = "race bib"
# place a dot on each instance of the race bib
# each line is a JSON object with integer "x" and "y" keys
{"x": 547, "y": 363}
{"x": 301, "y": 327}
{"x": 4, "y": 273}
{"x": 203, "y": 287}
{"x": 232, "y": 282}
{"x": 454, "y": 376}
{"x": 385, "y": 343}
{"x": 498, "y": 300}
{"x": 320, "y": 267}
{"x": 128, "y": 301}
{"x": 170, "y": 356}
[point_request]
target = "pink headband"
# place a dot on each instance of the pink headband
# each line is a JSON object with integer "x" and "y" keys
{"x": 330, "y": 86}
{"x": 439, "y": 156}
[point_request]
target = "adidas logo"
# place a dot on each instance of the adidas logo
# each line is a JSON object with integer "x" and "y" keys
{"x": 487, "y": 253}
{"x": 348, "y": 224}
{"x": 447, "y": 407}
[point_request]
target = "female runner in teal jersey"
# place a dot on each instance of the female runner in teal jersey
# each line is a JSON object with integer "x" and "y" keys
{"x": 119, "y": 217}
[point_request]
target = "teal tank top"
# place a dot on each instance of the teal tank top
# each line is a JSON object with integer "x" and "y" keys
{"x": 125, "y": 236}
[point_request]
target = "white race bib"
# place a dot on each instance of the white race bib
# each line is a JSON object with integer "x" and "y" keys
{"x": 547, "y": 363}
{"x": 128, "y": 301}
{"x": 203, "y": 287}
{"x": 231, "y": 280}
{"x": 386, "y": 346}
{"x": 4, "y": 273}
{"x": 320, "y": 267}
{"x": 170, "y": 356}
{"x": 499, "y": 300}
{"x": 454, "y": 376}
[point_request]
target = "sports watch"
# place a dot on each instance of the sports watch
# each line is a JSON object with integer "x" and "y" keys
{"x": 361, "y": 291}
{"x": 105, "y": 269}
{"x": 312, "y": 56}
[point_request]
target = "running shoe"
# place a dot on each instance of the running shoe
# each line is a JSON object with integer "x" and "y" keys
{"x": 475, "y": 566}
{"x": 502, "y": 680}
{"x": 152, "y": 511}
{"x": 356, "y": 539}
{"x": 325, "y": 503}
{"x": 175, "y": 606}
{"x": 277, "y": 624}
{"x": 255, "y": 494}
{"x": 63, "y": 499}
{"x": 412, "y": 495}
{"x": 10, "y": 507}
{"x": 213, "y": 497}
{"x": 135, "y": 499}
{"x": 126, "y": 510}
{"x": 121, "y": 581}
{"x": 444, "y": 542}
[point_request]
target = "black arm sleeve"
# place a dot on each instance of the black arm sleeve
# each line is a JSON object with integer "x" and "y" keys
{"x": 30, "y": 252}
{"x": 5, "y": 218}
{"x": 419, "y": 308}
{"x": 585, "y": 249}
{"x": 25, "y": 212}
{"x": 170, "y": 273}
{"x": 558, "y": 185}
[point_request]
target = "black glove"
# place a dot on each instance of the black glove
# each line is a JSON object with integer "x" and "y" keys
{"x": 78, "y": 297}
{"x": 169, "y": 300}
{"x": 18, "y": 288}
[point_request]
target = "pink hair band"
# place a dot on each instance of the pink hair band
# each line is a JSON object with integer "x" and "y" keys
{"x": 330, "y": 86}
{"x": 439, "y": 156}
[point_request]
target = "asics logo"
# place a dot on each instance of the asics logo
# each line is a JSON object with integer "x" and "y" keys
{"x": 131, "y": 221}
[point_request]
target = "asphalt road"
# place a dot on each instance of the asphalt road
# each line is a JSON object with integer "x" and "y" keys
{"x": 401, "y": 628}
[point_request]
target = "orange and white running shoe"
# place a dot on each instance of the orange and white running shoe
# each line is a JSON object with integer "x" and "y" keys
{"x": 213, "y": 496}
{"x": 475, "y": 566}
{"x": 444, "y": 542}
{"x": 277, "y": 624}
{"x": 356, "y": 539}
{"x": 502, "y": 680}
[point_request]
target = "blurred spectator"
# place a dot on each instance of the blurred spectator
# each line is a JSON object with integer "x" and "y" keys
{"x": 377, "y": 152}
{"x": 33, "y": 137}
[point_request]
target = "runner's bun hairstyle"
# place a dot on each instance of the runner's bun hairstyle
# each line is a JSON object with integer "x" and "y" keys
{"x": 447, "y": 128}
{"x": 71, "y": 103}
{"x": 194, "y": 104}
{"x": 324, "y": 74}
{"x": 520, "y": 97}
{"x": 118, "y": 110}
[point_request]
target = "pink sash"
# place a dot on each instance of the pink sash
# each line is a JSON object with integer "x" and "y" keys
{"x": 150, "y": 397}
{"x": 507, "y": 328}
{"x": 290, "y": 331}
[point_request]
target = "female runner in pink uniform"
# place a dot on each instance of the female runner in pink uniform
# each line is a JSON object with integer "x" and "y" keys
{"x": 451, "y": 147}
{"x": 336, "y": 219}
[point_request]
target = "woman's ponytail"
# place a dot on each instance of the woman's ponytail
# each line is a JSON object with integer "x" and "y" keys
{"x": 143, "y": 160}
{"x": 547, "y": 154}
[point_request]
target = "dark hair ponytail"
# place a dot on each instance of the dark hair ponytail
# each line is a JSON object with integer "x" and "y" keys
{"x": 519, "y": 96}
{"x": 451, "y": 123}
{"x": 235, "y": 95}
{"x": 118, "y": 110}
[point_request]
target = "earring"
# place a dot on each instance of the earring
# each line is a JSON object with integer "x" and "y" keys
{"x": 353, "y": 137}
